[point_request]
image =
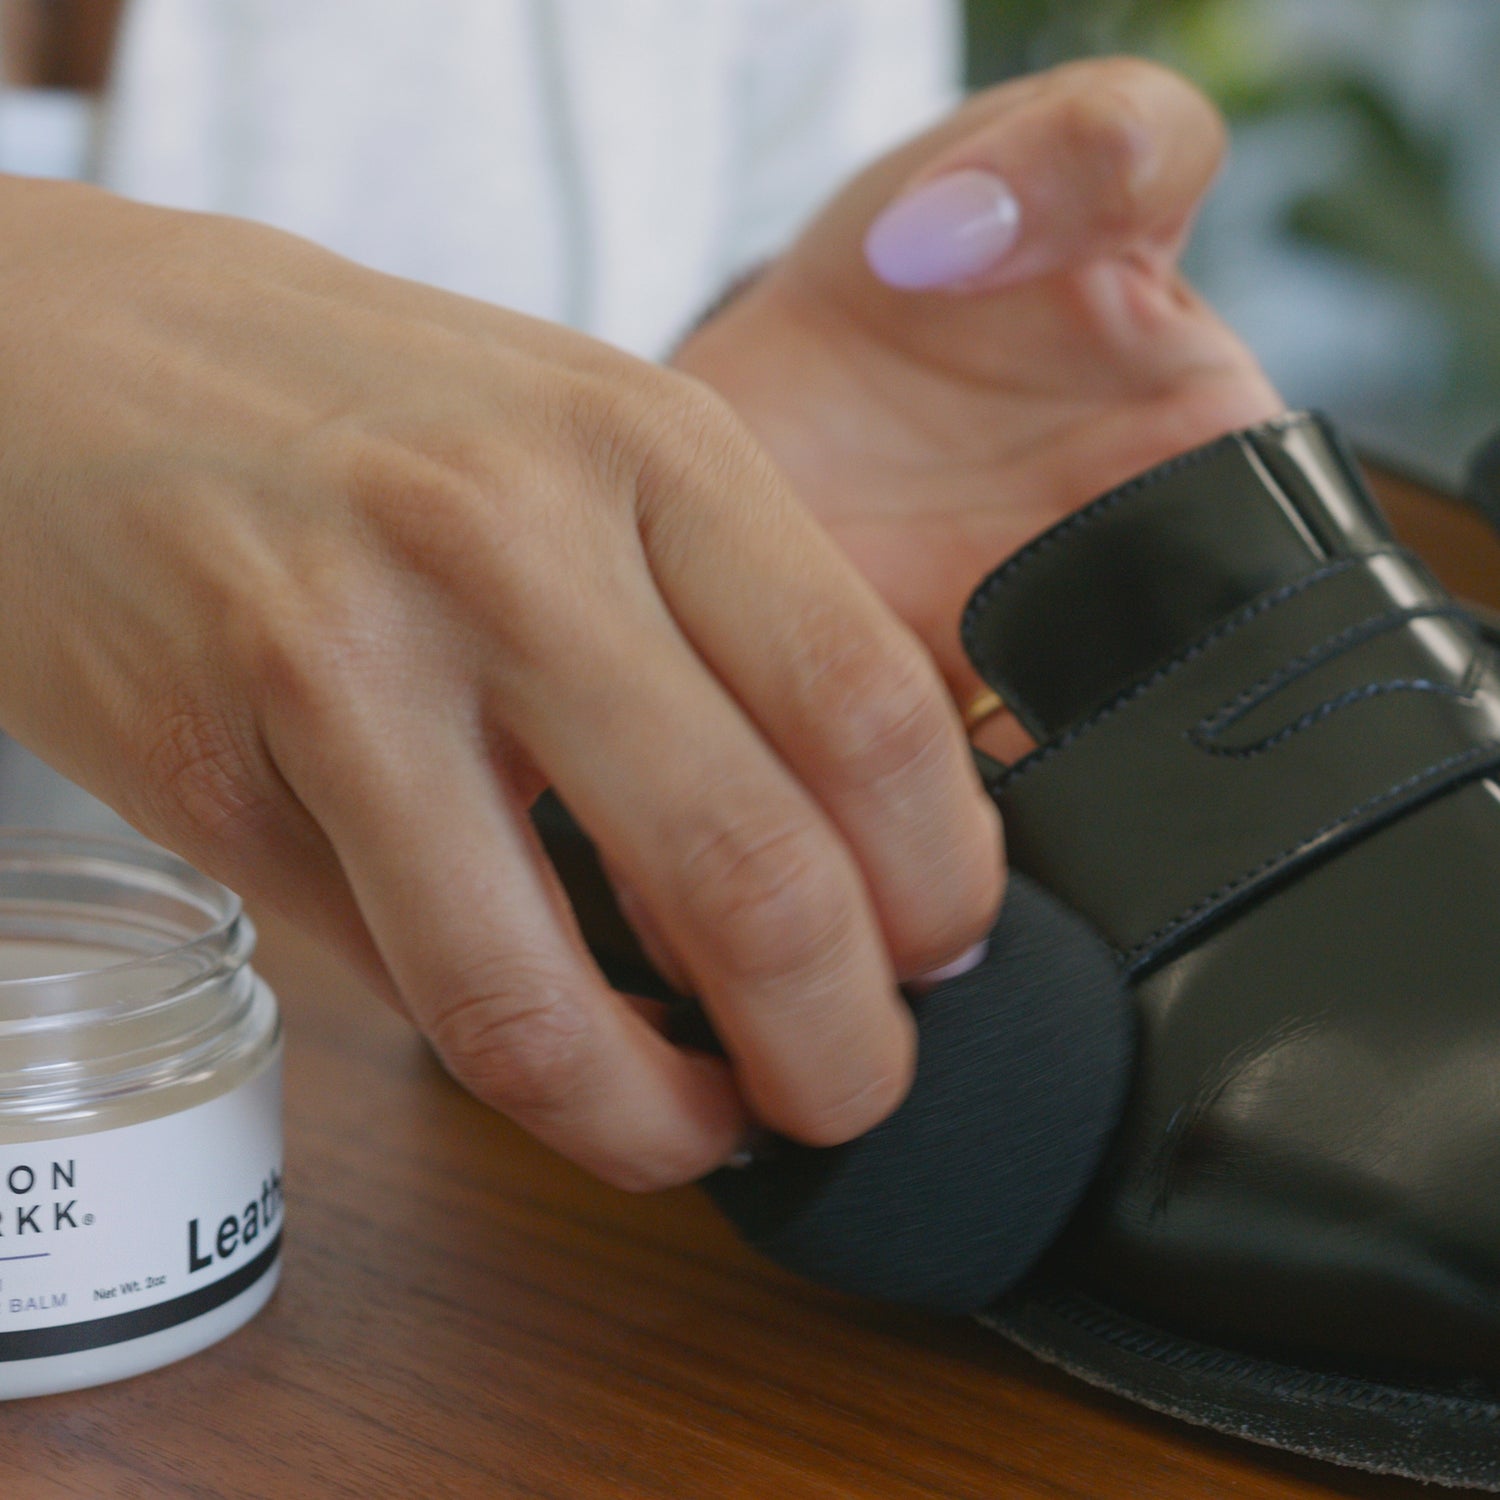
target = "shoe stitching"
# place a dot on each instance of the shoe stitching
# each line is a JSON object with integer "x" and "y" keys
{"x": 1078, "y": 521}
{"x": 1104, "y": 505}
{"x": 1214, "y": 724}
{"x": 1220, "y": 632}
{"x": 1325, "y": 710}
{"x": 1145, "y": 950}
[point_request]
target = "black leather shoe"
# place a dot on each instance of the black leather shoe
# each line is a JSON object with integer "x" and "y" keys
{"x": 1267, "y": 774}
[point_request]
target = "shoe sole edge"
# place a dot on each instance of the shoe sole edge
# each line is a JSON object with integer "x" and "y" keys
{"x": 1435, "y": 1437}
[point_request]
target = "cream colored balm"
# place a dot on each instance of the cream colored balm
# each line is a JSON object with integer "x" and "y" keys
{"x": 140, "y": 1114}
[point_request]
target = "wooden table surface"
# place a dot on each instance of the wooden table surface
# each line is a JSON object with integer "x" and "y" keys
{"x": 463, "y": 1315}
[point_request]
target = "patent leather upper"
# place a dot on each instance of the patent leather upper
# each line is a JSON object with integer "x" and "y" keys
{"x": 1269, "y": 745}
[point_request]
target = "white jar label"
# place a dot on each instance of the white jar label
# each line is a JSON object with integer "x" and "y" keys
{"x": 119, "y": 1234}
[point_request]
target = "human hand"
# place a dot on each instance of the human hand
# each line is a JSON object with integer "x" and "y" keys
{"x": 319, "y": 576}
{"x": 988, "y": 328}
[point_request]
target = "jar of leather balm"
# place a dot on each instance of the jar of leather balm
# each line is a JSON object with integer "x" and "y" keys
{"x": 140, "y": 1114}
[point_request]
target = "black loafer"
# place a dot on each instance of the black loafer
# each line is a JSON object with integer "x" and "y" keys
{"x": 1269, "y": 775}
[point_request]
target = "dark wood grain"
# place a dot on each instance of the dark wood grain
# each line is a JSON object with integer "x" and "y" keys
{"x": 58, "y": 44}
{"x": 1452, "y": 536}
{"x": 463, "y": 1315}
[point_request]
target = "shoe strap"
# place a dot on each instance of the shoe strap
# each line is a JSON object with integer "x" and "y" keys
{"x": 1261, "y": 676}
{"x": 1102, "y": 598}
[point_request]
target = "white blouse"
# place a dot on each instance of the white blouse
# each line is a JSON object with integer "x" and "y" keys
{"x": 610, "y": 164}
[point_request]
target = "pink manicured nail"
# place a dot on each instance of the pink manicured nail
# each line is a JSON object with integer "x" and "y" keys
{"x": 946, "y": 231}
{"x": 960, "y": 965}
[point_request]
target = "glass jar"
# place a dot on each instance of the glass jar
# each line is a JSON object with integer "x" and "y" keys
{"x": 140, "y": 1113}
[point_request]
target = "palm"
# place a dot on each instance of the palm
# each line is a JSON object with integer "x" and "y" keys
{"x": 934, "y": 434}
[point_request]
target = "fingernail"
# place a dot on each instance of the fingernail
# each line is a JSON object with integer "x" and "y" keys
{"x": 946, "y": 231}
{"x": 756, "y": 1147}
{"x": 970, "y": 959}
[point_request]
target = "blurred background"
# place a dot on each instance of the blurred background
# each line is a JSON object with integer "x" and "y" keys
{"x": 1354, "y": 239}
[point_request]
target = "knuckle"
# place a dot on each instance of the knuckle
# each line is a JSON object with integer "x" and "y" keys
{"x": 1164, "y": 94}
{"x": 881, "y": 712}
{"x": 451, "y": 542}
{"x": 688, "y": 439}
{"x": 614, "y": 417}
{"x": 438, "y": 498}
{"x": 1116, "y": 117}
{"x": 522, "y": 1045}
{"x": 769, "y": 898}
{"x": 204, "y": 775}
{"x": 1138, "y": 80}
{"x": 308, "y": 660}
{"x": 1106, "y": 131}
{"x": 487, "y": 527}
{"x": 680, "y": 416}
{"x": 673, "y": 459}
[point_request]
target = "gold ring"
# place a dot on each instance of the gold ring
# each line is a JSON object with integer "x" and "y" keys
{"x": 985, "y": 704}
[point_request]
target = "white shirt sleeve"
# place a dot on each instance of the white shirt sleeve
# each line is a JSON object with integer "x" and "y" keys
{"x": 824, "y": 86}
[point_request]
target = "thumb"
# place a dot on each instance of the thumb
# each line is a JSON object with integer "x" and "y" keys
{"x": 1093, "y": 159}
